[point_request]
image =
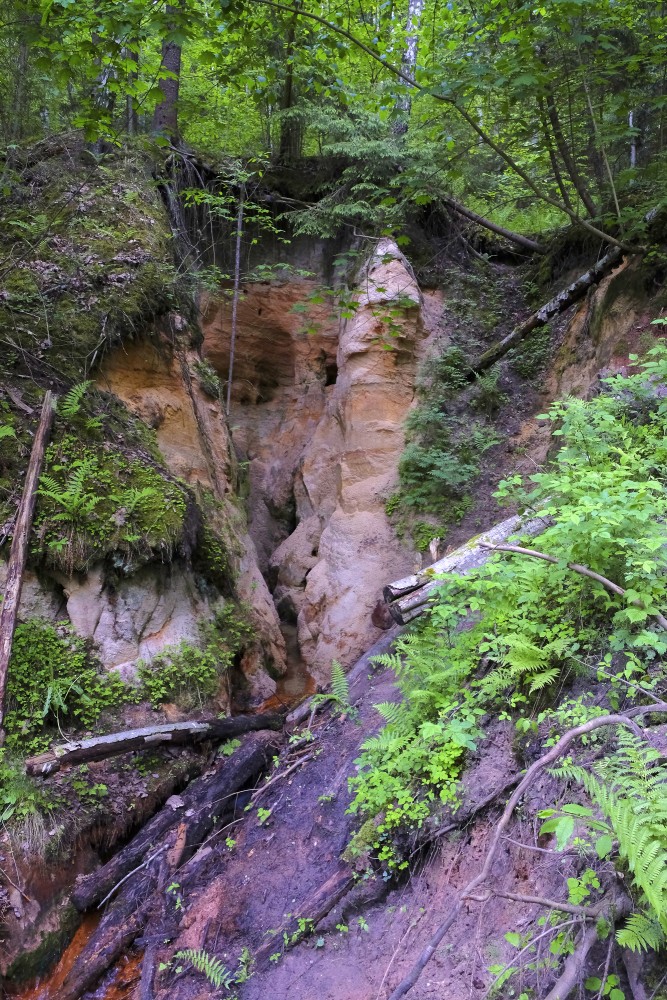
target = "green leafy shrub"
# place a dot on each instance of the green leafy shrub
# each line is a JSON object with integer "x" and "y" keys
{"x": 208, "y": 379}
{"x": 190, "y": 674}
{"x": 53, "y": 685}
{"x": 20, "y": 796}
{"x": 505, "y": 638}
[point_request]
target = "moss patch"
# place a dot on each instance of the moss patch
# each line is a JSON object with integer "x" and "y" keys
{"x": 88, "y": 262}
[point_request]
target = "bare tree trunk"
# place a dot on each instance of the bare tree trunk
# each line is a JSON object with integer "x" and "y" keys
{"x": 289, "y": 149}
{"x": 103, "y": 747}
{"x": 408, "y": 598}
{"x": 130, "y": 110}
{"x": 20, "y": 94}
{"x": 235, "y": 296}
{"x": 566, "y": 156}
{"x": 165, "y": 116}
{"x": 552, "y": 156}
{"x": 554, "y": 307}
{"x": 19, "y": 551}
{"x": 409, "y": 63}
{"x": 467, "y": 213}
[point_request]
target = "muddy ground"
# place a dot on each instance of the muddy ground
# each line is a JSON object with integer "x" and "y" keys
{"x": 281, "y": 866}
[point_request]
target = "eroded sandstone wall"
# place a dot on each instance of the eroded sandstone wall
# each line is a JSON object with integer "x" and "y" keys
{"x": 318, "y": 414}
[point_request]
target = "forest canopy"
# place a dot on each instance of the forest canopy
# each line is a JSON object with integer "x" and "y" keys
{"x": 533, "y": 115}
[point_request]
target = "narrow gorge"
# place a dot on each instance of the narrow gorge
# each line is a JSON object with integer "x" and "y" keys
{"x": 333, "y": 494}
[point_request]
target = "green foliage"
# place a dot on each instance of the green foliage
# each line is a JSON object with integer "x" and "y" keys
{"x": 339, "y": 694}
{"x": 505, "y": 638}
{"x": 94, "y": 501}
{"x": 190, "y": 674}
{"x": 208, "y": 379}
{"x": 629, "y": 787}
{"x": 53, "y": 685}
{"x": 531, "y": 356}
{"x": 213, "y": 968}
{"x": 20, "y": 796}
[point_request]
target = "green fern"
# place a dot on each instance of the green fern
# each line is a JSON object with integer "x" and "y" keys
{"x": 73, "y": 497}
{"x": 70, "y": 404}
{"x": 630, "y": 789}
{"x": 390, "y": 711}
{"x": 641, "y": 933}
{"x": 340, "y": 687}
{"x": 213, "y": 968}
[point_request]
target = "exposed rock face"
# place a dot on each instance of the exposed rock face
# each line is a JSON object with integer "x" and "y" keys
{"x": 321, "y": 425}
{"x": 600, "y": 334}
{"x": 139, "y": 617}
{"x": 160, "y": 606}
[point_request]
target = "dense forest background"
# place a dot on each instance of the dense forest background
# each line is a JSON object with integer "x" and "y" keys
{"x": 532, "y": 115}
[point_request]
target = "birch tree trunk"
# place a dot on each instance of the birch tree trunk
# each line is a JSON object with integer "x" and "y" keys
{"x": 409, "y": 62}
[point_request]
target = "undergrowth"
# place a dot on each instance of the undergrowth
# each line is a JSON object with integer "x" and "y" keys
{"x": 443, "y": 450}
{"x": 522, "y": 639}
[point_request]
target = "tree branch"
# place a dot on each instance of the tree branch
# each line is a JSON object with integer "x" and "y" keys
{"x": 576, "y": 568}
{"x": 539, "y": 765}
{"x": 471, "y": 121}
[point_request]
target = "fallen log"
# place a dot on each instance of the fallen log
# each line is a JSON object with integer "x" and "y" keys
{"x": 309, "y": 914}
{"x": 103, "y": 747}
{"x": 408, "y": 598}
{"x": 554, "y": 307}
{"x": 467, "y": 213}
{"x": 124, "y": 922}
{"x": 198, "y": 806}
{"x": 18, "y": 552}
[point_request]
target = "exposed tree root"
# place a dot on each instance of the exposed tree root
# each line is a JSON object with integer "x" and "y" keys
{"x": 573, "y": 970}
{"x": 533, "y": 771}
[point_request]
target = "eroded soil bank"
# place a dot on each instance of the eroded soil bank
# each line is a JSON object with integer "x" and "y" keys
{"x": 319, "y": 474}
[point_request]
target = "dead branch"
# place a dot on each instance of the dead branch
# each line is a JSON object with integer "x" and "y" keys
{"x": 408, "y": 598}
{"x": 574, "y": 966}
{"x": 554, "y": 307}
{"x": 576, "y": 568}
{"x": 467, "y": 213}
{"x": 586, "y": 912}
{"x": 103, "y": 747}
{"x": 18, "y": 553}
{"x": 549, "y": 758}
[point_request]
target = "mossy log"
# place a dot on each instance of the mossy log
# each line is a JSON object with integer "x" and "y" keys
{"x": 408, "y": 598}
{"x": 554, "y": 307}
{"x": 147, "y": 738}
{"x": 198, "y": 806}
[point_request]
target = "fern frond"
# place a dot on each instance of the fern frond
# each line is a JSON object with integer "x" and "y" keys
{"x": 339, "y": 684}
{"x": 70, "y": 404}
{"x": 390, "y": 711}
{"x": 641, "y": 933}
{"x": 543, "y": 679}
{"x": 213, "y": 968}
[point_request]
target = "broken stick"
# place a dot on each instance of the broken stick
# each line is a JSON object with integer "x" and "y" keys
{"x": 18, "y": 553}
